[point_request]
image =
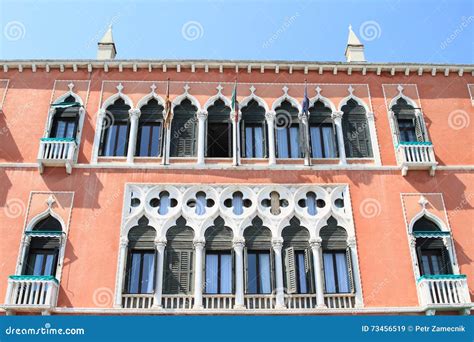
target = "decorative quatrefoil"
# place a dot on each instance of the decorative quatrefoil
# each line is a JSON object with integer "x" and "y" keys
{"x": 274, "y": 203}
{"x": 238, "y": 203}
{"x": 200, "y": 203}
{"x": 311, "y": 203}
{"x": 163, "y": 202}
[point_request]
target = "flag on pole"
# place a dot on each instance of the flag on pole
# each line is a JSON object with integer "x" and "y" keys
{"x": 168, "y": 114}
{"x": 305, "y": 112}
{"x": 305, "y": 103}
{"x": 235, "y": 104}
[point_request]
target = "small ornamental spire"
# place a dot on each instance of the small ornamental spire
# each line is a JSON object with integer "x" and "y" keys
{"x": 106, "y": 46}
{"x": 354, "y": 49}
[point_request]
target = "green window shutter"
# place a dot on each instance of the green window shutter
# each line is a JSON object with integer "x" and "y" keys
{"x": 179, "y": 272}
{"x": 272, "y": 270}
{"x": 290, "y": 270}
{"x": 419, "y": 128}
{"x": 356, "y": 136}
{"x": 186, "y": 271}
{"x": 309, "y": 269}
{"x": 242, "y": 139}
{"x": 246, "y": 270}
{"x": 349, "y": 269}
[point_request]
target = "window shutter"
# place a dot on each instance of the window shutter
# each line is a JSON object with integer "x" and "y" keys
{"x": 265, "y": 139}
{"x": 272, "y": 270}
{"x": 349, "y": 269}
{"x": 419, "y": 128}
{"x": 185, "y": 276}
{"x": 246, "y": 275}
{"x": 179, "y": 272}
{"x": 232, "y": 260}
{"x": 446, "y": 262}
{"x": 396, "y": 129}
{"x": 290, "y": 270}
{"x": 309, "y": 270}
{"x": 242, "y": 139}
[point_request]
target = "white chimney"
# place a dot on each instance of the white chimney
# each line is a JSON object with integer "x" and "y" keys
{"x": 354, "y": 48}
{"x": 106, "y": 46}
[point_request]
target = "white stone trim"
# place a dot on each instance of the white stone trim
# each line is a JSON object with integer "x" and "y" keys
{"x": 2, "y": 100}
{"x": 286, "y": 97}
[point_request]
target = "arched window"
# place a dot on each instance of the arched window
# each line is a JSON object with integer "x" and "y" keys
{"x": 287, "y": 131}
{"x": 219, "y": 259}
{"x": 299, "y": 274}
{"x": 114, "y": 141}
{"x": 433, "y": 256}
{"x": 140, "y": 275}
{"x": 184, "y": 130}
{"x": 42, "y": 255}
{"x": 219, "y": 131}
{"x": 322, "y": 134}
{"x": 337, "y": 262}
{"x": 65, "y": 119}
{"x": 356, "y": 131}
{"x": 253, "y": 131}
{"x": 150, "y": 127}
{"x": 409, "y": 127}
{"x": 178, "y": 275}
{"x": 258, "y": 259}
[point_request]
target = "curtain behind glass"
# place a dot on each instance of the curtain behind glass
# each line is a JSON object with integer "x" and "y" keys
{"x": 294, "y": 143}
{"x": 301, "y": 273}
{"x": 148, "y": 273}
{"x": 329, "y": 276}
{"x": 264, "y": 263}
{"x": 212, "y": 273}
{"x": 252, "y": 273}
{"x": 249, "y": 142}
{"x": 316, "y": 149}
{"x": 342, "y": 274}
{"x": 329, "y": 143}
{"x": 134, "y": 274}
{"x": 282, "y": 143}
{"x": 226, "y": 273}
{"x": 258, "y": 142}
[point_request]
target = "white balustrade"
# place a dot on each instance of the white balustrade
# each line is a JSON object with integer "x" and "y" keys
{"x": 300, "y": 301}
{"x": 339, "y": 300}
{"x": 218, "y": 301}
{"x": 416, "y": 156}
{"x": 56, "y": 153}
{"x": 32, "y": 292}
{"x": 182, "y": 302}
{"x": 260, "y": 302}
{"x": 443, "y": 291}
{"x": 137, "y": 301}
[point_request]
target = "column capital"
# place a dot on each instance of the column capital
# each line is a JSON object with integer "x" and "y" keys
{"x": 199, "y": 243}
{"x": 303, "y": 117}
{"x": 370, "y": 115}
{"x": 316, "y": 243}
{"x": 134, "y": 113}
{"x": 160, "y": 244}
{"x": 351, "y": 241}
{"x": 270, "y": 116}
{"x": 337, "y": 115}
{"x": 102, "y": 113}
{"x": 238, "y": 243}
{"x": 123, "y": 242}
{"x": 412, "y": 240}
{"x": 277, "y": 244}
{"x": 202, "y": 115}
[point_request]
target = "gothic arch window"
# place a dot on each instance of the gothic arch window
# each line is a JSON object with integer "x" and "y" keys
{"x": 433, "y": 256}
{"x": 298, "y": 266}
{"x": 179, "y": 260}
{"x": 409, "y": 127}
{"x": 258, "y": 259}
{"x": 337, "y": 263}
{"x": 219, "y": 131}
{"x": 253, "y": 131}
{"x": 288, "y": 131}
{"x": 114, "y": 140}
{"x": 43, "y": 252}
{"x": 141, "y": 260}
{"x": 322, "y": 134}
{"x": 219, "y": 260}
{"x": 66, "y": 119}
{"x": 184, "y": 130}
{"x": 355, "y": 129}
{"x": 150, "y": 130}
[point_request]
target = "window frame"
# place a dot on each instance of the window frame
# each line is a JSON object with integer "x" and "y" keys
{"x": 153, "y": 123}
{"x": 44, "y": 252}
{"x": 142, "y": 252}
{"x": 333, "y": 253}
{"x": 320, "y": 126}
{"x": 257, "y": 253}
{"x": 220, "y": 253}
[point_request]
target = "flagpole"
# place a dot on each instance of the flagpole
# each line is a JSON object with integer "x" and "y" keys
{"x": 167, "y": 126}
{"x": 235, "y": 127}
{"x": 304, "y": 119}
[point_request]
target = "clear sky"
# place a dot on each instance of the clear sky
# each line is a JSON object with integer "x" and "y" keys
{"x": 392, "y": 30}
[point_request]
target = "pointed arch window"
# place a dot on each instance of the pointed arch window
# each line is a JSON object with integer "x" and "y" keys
{"x": 253, "y": 131}
{"x": 219, "y": 131}
{"x": 114, "y": 140}
{"x": 288, "y": 133}
{"x": 409, "y": 126}
{"x": 322, "y": 134}
{"x": 65, "y": 119}
{"x": 355, "y": 129}
{"x": 150, "y": 126}
{"x": 184, "y": 130}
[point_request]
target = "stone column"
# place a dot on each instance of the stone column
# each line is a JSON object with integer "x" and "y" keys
{"x": 270, "y": 117}
{"x": 160, "y": 257}
{"x": 337, "y": 118}
{"x": 198, "y": 270}
{"x": 201, "y": 116}
{"x": 25, "y": 243}
{"x": 121, "y": 272}
{"x": 99, "y": 130}
{"x": 373, "y": 138}
{"x": 280, "y": 294}
{"x": 235, "y": 139}
{"x": 303, "y": 118}
{"x": 132, "y": 139}
{"x": 318, "y": 276}
{"x": 239, "y": 273}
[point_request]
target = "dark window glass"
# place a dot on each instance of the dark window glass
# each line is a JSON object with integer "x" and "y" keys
{"x": 219, "y": 139}
{"x": 41, "y": 262}
{"x": 431, "y": 262}
{"x": 219, "y": 273}
{"x": 258, "y": 272}
{"x": 149, "y": 139}
{"x": 336, "y": 273}
{"x": 64, "y": 128}
{"x": 287, "y": 141}
{"x": 301, "y": 274}
{"x": 183, "y": 130}
{"x": 323, "y": 142}
{"x": 141, "y": 272}
{"x": 407, "y": 131}
{"x": 114, "y": 141}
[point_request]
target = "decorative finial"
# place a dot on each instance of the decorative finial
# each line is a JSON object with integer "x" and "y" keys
{"x": 153, "y": 87}
{"x": 285, "y": 90}
{"x": 423, "y": 202}
{"x": 351, "y": 90}
{"x": 219, "y": 88}
{"x": 120, "y": 87}
{"x": 186, "y": 88}
{"x": 318, "y": 90}
{"x": 252, "y": 89}
{"x": 50, "y": 201}
{"x": 70, "y": 86}
{"x": 400, "y": 88}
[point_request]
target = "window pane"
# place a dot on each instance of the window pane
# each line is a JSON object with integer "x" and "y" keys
{"x": 435, "y": 263}
{"x": 342, "y": 274}
{"x": 164, "y": 203}
{"x": 226, "y": 273}
{"x": 110, "y": 140}
{"x": 155, "y": 143}
{"x": 249, "y": 142}
{"x": 316, "y": 148}
{"x": 251, "y": 273}
{"x": 294, "y": 142}
{"x": 70, "y": 128}
{"x": 134, "y": 272}
{"x": 211, "y": 273}
{"x": 329, "y": 277}
{"x": 264, "y": 263}
{"x": 329, "y": 143}
{"x": 122, "y": 140}
{"x": 148, "y": 272}
{"x": 237, "y": 203}
{"x": 426, "y": 264}
{"x": 282, "y": 141}
{"x": 38, "y": 264}
{"x": 200, "y": 203}
{"x": 48, "y": 267}
{"x": 258, "y": 142}
{"x": 144, "y": 141}
{"x": 60, "y": 129}
{"x": 301, "y": 273}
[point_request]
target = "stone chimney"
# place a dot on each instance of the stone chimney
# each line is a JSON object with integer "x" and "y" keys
{"x": 354, "y": 48}
{"x": 106, "y": 46}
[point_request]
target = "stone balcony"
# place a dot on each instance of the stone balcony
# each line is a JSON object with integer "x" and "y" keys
{"x": 56, "y": 152}
{"x": 416, "y": 156}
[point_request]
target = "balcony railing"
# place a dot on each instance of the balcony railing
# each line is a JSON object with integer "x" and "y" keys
{"x": 300, "y": 301}
{"x": 137, "y": 301}
{"x": 218, "y": 301}
{"x": 31, "y": 293}
{"x": 416, "y": 156}
{"x": 260, "y": 301}
{"x": 56, "y": 152}
{"x": 177, "y": 302}
{"x": 444, "y": 291}
{"x": 339, "y": 300}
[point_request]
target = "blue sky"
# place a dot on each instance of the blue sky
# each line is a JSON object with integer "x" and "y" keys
{"x": 392, "y": 30}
